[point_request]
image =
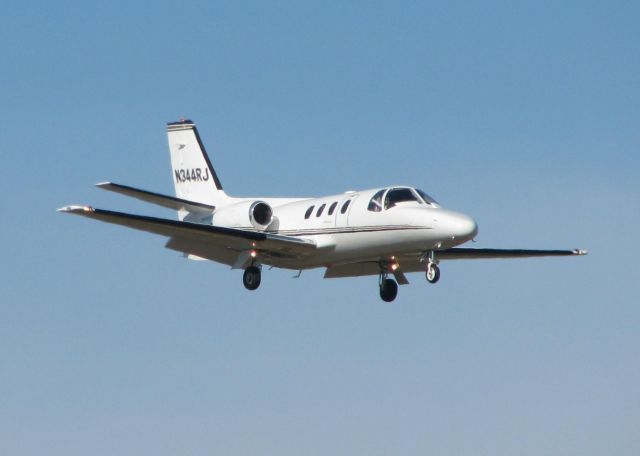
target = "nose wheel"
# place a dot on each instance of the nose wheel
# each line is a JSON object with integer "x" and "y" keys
{"x": 251, "y": 277}
{"x": 433, "y": 273}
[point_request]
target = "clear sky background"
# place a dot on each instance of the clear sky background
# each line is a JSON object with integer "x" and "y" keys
{"x": 525, "y": 115}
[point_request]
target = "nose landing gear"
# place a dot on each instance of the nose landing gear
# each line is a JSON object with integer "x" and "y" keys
{"x": 432, "y": 273}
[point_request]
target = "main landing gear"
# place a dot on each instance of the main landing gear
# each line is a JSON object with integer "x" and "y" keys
{"x": 388, "y": 287}
{"x": 251, "y": 277}
{"x": 388, "y": 290}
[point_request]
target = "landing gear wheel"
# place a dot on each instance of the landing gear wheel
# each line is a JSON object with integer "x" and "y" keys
{"x": 388, "y": 290}
{"x": 251, "y": 277}
{"x": 433, "y": 273}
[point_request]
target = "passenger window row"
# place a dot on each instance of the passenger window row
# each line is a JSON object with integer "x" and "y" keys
{"x": 332, "y": 209}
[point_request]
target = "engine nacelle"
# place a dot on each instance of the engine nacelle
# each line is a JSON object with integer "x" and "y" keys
{"x": 257, "y": 214}
{"x": 260, "y": 214}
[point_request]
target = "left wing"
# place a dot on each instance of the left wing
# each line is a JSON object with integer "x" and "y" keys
{"x": 412, "y": 263}
{"x": 206, "y": 241}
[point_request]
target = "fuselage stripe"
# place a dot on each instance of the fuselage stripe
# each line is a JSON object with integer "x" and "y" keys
{"x": 344, "y": 230}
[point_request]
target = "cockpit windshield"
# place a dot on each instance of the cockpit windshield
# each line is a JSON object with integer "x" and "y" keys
{"x": 427, "y": 199}
{"x": 398, "y": 195}
{"x": 375, "y": 205}
{"x": 390, "y": 197}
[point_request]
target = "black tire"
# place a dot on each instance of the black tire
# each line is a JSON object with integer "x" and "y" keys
{"x": 251, "y": 278}
{"x": 435, "y": 274}
{"x": 388, "y": 290}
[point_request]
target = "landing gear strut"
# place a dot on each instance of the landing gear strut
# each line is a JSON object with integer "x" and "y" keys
{"x": 251, "y": 277}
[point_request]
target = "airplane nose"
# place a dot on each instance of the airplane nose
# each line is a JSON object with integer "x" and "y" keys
{"x": 464, "y": 227}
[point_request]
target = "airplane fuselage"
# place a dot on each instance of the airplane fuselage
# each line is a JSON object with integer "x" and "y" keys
{"x": 346, "y": 230}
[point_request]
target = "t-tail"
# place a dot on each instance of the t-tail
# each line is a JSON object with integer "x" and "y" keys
{"x": 193, "y": 175}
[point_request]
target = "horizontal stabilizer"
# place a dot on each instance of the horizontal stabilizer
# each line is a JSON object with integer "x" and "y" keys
{"x": 169, "y": 202}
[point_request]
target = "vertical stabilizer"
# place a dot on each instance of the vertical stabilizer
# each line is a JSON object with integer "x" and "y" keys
{"x": 193, "y": 175}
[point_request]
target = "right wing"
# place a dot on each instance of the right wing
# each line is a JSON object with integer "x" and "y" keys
{"x": 413, "y": 262}
{"x": 169, "y": 202}
{"x": 212, "y": 242}
{"x": 460, "y": 253}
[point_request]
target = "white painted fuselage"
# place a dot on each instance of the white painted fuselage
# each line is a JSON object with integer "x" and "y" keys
{"x": 347, "y": 231}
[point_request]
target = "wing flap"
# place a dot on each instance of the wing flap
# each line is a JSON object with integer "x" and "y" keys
{"x": 363, "y": 268}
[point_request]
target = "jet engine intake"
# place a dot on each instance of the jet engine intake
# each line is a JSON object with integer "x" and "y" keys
{"x": 260, "y": 214}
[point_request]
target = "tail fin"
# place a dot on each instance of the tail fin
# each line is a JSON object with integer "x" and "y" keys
{"x": 193, "y": 175}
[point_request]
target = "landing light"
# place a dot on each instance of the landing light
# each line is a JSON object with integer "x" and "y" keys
{"x": 395, "y": 266}
{"x": 253, "y": 254}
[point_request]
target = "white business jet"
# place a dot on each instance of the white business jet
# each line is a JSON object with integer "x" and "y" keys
{"x": 384, "y": 232}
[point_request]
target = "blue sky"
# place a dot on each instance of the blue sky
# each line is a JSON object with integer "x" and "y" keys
{"x": 523, "y": 114}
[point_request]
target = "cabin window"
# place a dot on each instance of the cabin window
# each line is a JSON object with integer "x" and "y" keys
{"x": 308, "y": 213}
{"x": 398, "y": 195}
{"x": 375, "y": 205}
{"x": 320, "y": 209}
{"x": 332, "y": 208}
{"x": 345, "y": 206}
